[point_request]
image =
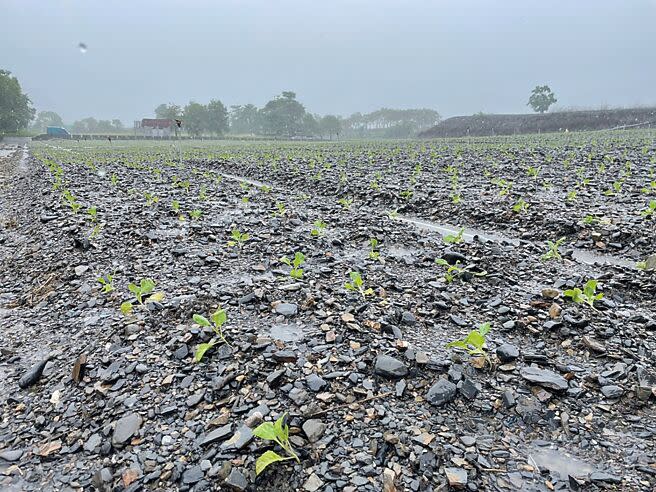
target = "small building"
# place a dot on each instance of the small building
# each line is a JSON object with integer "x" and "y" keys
{"x": 155, "y": 127}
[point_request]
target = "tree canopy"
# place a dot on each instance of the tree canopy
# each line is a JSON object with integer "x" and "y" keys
{"x": 542, "y": 97}
{"x": 283, "y": 115}
{"x": 16, "y": 109}
{"x": 168, "y": 111}
{"x": 45, "y": 119}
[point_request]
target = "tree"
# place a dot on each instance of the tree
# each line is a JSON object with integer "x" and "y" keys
{"x": 283, "y": 115}
{"x": 45, "y": 119}
{"x": 195, "y": 118}
{"x": 117, "y": 124}
{"x": 168, "y": 111}
{"x": 87, "y": 125}
{"x": 217, "y": 117}
{"x": 330, "y": 125}
{"x": 310, "y": 125}
{"x": 245, "y": 119}
{"x": 16, "y": 109}
{"x": 541, "y": 98}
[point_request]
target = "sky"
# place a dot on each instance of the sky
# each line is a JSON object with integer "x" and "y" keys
{"x": 340, "y": 56}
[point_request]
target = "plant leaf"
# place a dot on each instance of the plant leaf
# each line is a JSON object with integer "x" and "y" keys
{"x": 267, "y": 458}
{"x": 126, "y": 308}
{"x": 201, "y": 349}
{"x": 219, "y": 317}
{"x": 156, "y": 297}
{"x": 265, "y": 430}
{"x": 201, "y": 320}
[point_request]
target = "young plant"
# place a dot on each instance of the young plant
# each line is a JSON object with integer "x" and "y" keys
{"x": 145, "y": 287}
{"x": 280, "y": 210}
{"x": 374, "y": 254}
{"x": 650, "y": 210}
{"x": 357, "y": 285}
{"x": 521, "y": 206}
{"x": 107, "y": 282}
{"x": 277, "y": 432}
{"x": 297, "y": 271}
{"x": 450, "y": 276}
{"x": 318, "y": 228}
{"x": 474, "y": 342}
{"x": 150, "y": 198}
{"x": 590, "y": 220}
{"x": 202, "y": 194}
{"x": 93, "y": 214}
{"x": 195, "y": 214}
{"x": 114, "y": 179}
{"x": 175, "y": 206}
{"x": 588, "y": 295}
{"x": 238, "y": 238}
{"x": 455, "y": 238}
{"x": 407, "y": 194}
{"x": 553, "y": 253}
{"x": 216, "y": 322}
{"x": 345, "y": 202}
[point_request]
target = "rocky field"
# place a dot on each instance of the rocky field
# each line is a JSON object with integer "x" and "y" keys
{"x": 417, "y": 316}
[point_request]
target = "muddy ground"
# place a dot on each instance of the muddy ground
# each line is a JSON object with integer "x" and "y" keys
{"x": 562, "y": 400}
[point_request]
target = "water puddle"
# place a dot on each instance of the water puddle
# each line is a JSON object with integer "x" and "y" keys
{"x": 560, "y": 463}
{"x": 241, "y": 179}
{"x": 286, "y": 333}
{"x": 471, "y": 235}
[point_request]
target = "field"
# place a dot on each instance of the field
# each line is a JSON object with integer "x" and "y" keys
{"x": 472, "y": 314}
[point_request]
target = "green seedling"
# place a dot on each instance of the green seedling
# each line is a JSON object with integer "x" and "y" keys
{"x": 202, "y": 194}
{"x": 277, "y": 432}
{"x": 407, "y": 194}
{"x": 318, "y": 228}
{"x": 590, "y": 220}
{"x": 374, "y": 254}
{"x": 455, "y": 238}
{"x": 114, "y": 179}
{"x": 393, "y": 214}
{"x": 456, "y": 271}
{"x": 357, "y": 285}
{"x": 280, "y": 210}
{"x": 533, "y": 172}
{"x": 93, "y": 214}
{"x": 553, "y": 253}
{"x": 96, "y": 231}
{"x": 145, "y": 287}
{"x": 107, "y": 282}
{"x": 150, "y": 198}
{"x": 175, "y": 206}
{"x": 265, "y": 189}
{"x": 238, "y": 238}
{"x": 195, "y": 214}
{"x": 650, "y": 210}
{"x": 588, "y": 295}
{"x": 474, "y": 342}
{"x": 571, "y": 196}
{"x": 297, "y": 271}
{"x": 216, "y": 322}
{"x": 520, "y": 207}
{"x": 345, "y": 202}
{"x": 244, "y": 185}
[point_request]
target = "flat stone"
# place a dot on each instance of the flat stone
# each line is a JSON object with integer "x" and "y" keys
{"x": 612, "y": 391}
{"x": 314, "y": 429}
{"x": 236, "y": 481}
{"x": 600, "y": 476}
{"x": 544, "y": 377}
{"x": 11, "y": 454}
{"x": 389, "y": 367}
{"x": 192, "y": 475}
{"x": 216, "y": 435}
{"x": 315, "y": 383}
{"x": 287, "y": 309}
{"x": 313, "y": 483}
{"x": 93, "y": 442}
{"x": 443, "y": 391}
{"x": 241, "y": 438}
{"x": 457, "y": 477}
{"x": 125, "y": 428}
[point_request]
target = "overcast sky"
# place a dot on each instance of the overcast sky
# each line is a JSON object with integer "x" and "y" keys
{"x": 339, "y": 56}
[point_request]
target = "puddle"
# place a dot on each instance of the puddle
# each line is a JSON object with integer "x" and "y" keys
{"x": 286, "y": 333}
{"x": 469, "y": 235}
{"x": 560, "y": 463}
{"x": 251, "y": 182}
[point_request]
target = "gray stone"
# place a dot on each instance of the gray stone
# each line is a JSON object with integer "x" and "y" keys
{"x": 192, "y": 475}
{"x": 315, "y": 383}
{"x": 544, "y": 377}
{"x": 600, "y": 476}
{"x": 612, "y": 391}
{"x": 314, "y": 429}
{"x": 389, "y": 367}
{"x": 93, "y": 442}
{"x": 286, "y": 309}
{"x": 11, "y": 454}
{"x": 507, "y": 353}
{"x": 125, "y": 428}
{"x": 313, "y": 483}
{"x": 441, "y": 392}
{"x": 216, "y": 435}
{"x": 241, "y": 438}
{"x": 457, "y": 477}
{"x": 236, "y": 481}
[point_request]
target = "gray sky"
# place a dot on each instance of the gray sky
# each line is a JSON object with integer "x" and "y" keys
{"x": 339, "y": 56}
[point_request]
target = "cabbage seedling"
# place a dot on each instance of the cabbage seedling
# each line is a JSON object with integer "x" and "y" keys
{"x": 357, "y": 285}
{"x": 553, "y": 253}
{"x": 474, "y": 342}
{"x": 107, "y": 282}
{"x": 278, "y": 433}
{"x": 297, "y": 271}
{"x": 318, "y": 228}
{"x": 280, "y": 210}
{"x": 374, "y": 254}
{"x": 588, "y": 295}
{"x": 345, "y": 202}
{"x": 218, "y": 319}
{"x": 649, "y": 211}
{"x": 238, "y": 238}
{"x": 449, "y": 275}
{"x": 175, "y": 206}
{"x": 521, "y": 206}
{"x": 455, "y": 238}
{"x": 145, "y": 287}
{"x": 195, "y": 214}
{"x": 151, "y": 199}
{"x": 114, "y": 179}
{"x": 93, "y": 213}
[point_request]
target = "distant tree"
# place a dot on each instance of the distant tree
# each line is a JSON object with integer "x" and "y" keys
{"x": 283, "y": 115}
{"x": 195, "y": 118}
{"x": 16, "y": 109}
{"x": 311, "y": 125}
{"x": 245, "y": 119}
{"x": 168, "y": 111}
{"x": 217, "y": 117}
{"x": 117, "y": 124}
{"x": 45, "y": 119}
{"x": 541, "y": 98}
{"x": 330, "y": 125}
{"x": 86, "y": 125}
{"x": 389, "y": 123}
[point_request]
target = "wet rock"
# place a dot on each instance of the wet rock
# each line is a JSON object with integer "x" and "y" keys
{"x": 453, "y": 257}
{"x": 241, "y": 438}
{"x": 441, "y": 392}
{"x": 33, "y": 375}
{"x": 315, "y": 383}
{"x": 102, "y": 480}
{"x": 507, "y": 353}
{"x": 612, "y": 391}
{"x": 192, "y": 475}
{"x": 217, "y": 435}
{"x": 457, "y": 477}
{"x": 389, "y": 367}
{"x": 544, "y": 377}
{"x": 314, "y": 429}
{"x": 286, "y": 309}
{"x": 125, "y": 428}
{"x": 236, "y": 481}
{"x": 468, "y": 388}
{"x": 11, "y": 454}
{"x": 408, "y": 319}
{"x": 601, "y": 476}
